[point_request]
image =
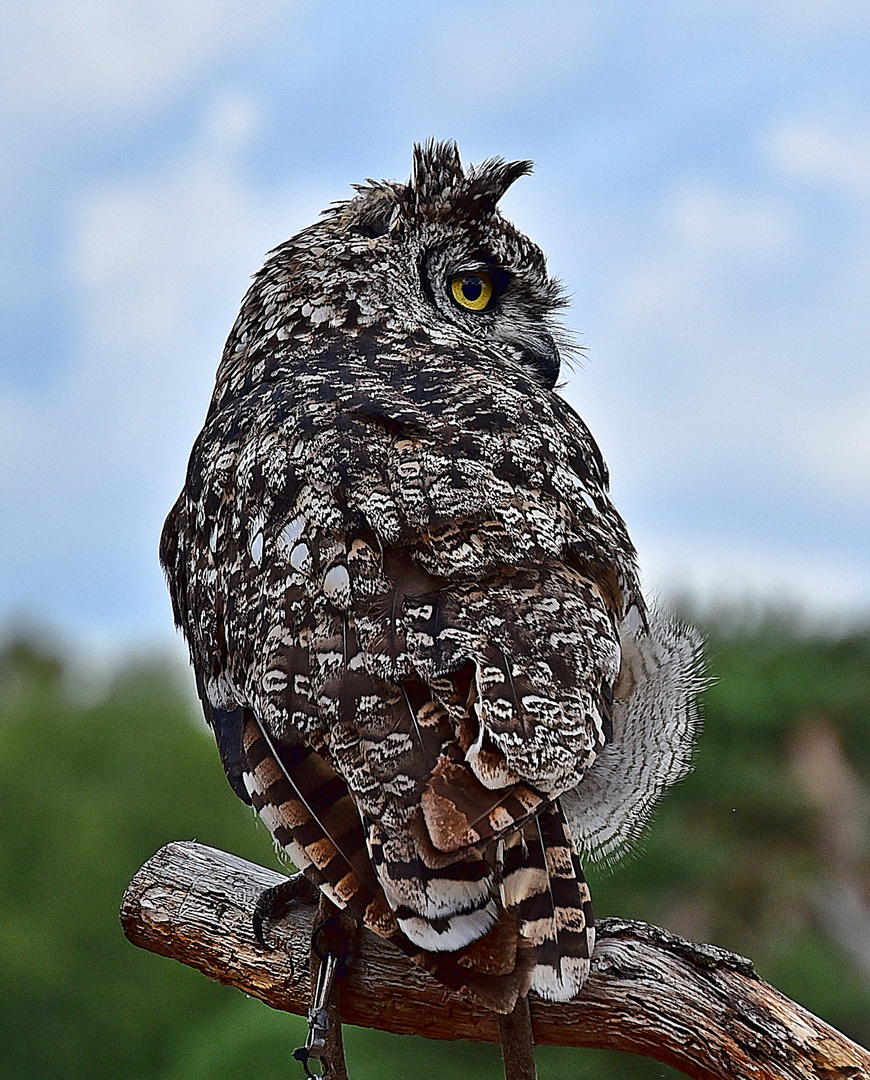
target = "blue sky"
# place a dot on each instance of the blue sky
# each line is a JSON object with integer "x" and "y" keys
{"x": 702, "y": 185}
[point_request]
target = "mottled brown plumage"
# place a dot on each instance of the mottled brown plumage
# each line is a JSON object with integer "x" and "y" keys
{"x": 413, "y": 612}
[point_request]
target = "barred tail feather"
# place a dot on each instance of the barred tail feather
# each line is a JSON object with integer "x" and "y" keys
{"x": 309, "y": 812}
{"x": 544, "y": 887}
{"x": 441, "y": 904}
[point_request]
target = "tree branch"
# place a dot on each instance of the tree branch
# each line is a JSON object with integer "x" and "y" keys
{"x": 695, "y": 1007}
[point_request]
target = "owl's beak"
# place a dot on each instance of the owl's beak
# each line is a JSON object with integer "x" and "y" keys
{"x": 542, "y": 354}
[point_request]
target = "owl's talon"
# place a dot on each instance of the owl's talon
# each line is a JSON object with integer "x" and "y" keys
{"x": 274, "y": 903}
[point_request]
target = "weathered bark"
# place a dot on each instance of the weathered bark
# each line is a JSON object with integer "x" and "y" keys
{"x": 695, "y": 1007}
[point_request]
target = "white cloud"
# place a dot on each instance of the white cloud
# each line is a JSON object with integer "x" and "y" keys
{"x": 711, "y": 221}
{"x": 821, "y": 152}
{"x": 728, "y": 364}
{"x": 816, "y": 15}
{"x": 475, "y": 63}
{"x": 775, "y": 24}
{"x": 831, "y": 440}
{"x": 704, "y": 231}
{"x": 695, "y": 363}
{"x": 110, "y": 56}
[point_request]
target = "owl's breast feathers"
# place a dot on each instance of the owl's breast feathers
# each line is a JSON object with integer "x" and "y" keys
{"x": 402, "y": 581}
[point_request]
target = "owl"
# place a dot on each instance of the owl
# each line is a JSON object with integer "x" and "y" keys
{"x": 413, "y": 612}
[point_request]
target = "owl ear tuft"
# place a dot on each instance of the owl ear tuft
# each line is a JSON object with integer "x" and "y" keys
{"x": 487, "y": 182}
{"x": 437, "y": 169}
{"x": 439, "y": 183}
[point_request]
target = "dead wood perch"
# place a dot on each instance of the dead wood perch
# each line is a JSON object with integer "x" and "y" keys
{"x": 695, "y": 1007}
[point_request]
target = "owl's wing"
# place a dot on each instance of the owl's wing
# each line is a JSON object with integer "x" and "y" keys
{"x": 293, "y": 781}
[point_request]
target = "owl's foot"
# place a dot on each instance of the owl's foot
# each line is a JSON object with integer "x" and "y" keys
{"x": 274, "y": 903}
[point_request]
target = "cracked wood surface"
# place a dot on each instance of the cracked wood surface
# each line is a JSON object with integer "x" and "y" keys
{"x": 695, "y": 1007}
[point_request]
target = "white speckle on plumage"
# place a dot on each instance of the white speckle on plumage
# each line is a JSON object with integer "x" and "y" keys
{"x": 300, "y": 557}
{"x": 257, "y": 548}
{"x": 336, "y": 584}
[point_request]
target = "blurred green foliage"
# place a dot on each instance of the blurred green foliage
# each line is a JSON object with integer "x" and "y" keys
{"x": 96, "y": 778}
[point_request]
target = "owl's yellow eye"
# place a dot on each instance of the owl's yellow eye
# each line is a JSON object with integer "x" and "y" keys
{"x": 472, "y": 291}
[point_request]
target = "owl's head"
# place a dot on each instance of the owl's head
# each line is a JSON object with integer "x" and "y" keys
{"x": 433, "y": 257}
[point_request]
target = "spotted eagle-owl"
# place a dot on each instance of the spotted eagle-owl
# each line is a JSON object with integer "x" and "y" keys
{"x": 413, "y": 612}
